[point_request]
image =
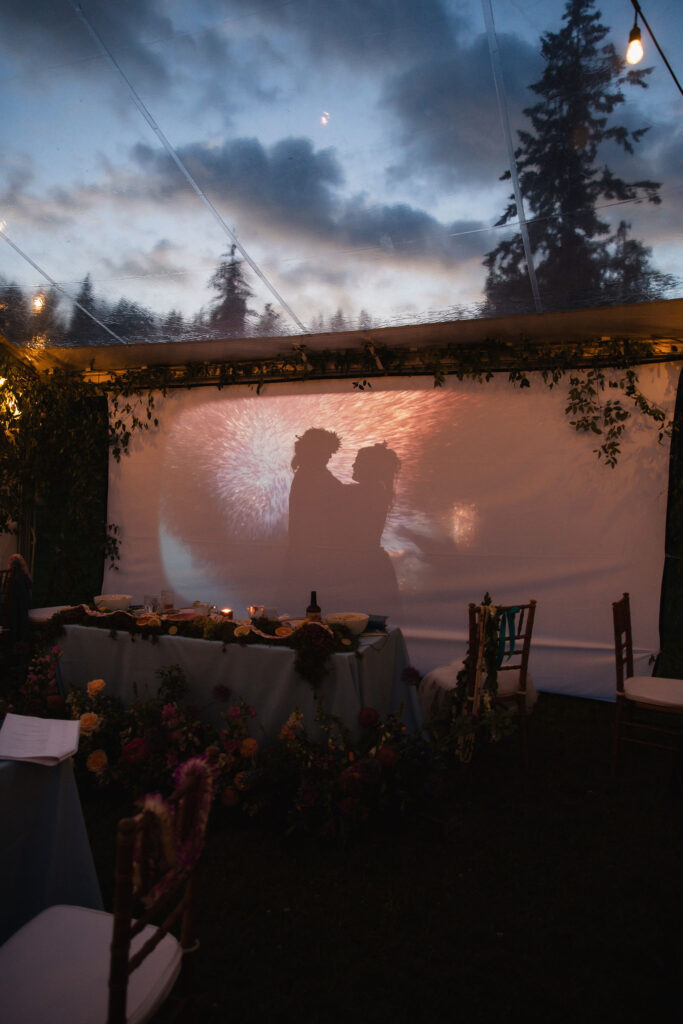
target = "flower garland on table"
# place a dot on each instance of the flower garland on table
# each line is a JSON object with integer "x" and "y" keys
{"x": 314, "y": 642}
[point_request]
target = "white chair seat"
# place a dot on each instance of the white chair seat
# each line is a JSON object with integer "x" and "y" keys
{"x": 437, "y": 683}
{"x": 55, "y": 970}
{"x": 660, "y": 692}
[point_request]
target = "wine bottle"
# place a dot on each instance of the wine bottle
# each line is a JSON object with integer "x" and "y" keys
{"x": 313, "y": 613}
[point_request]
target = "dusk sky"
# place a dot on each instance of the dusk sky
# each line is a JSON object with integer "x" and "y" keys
{"x": 354, "y": 147}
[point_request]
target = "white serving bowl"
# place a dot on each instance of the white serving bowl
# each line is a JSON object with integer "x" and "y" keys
{"x": 355, "y": 621}
{"x": 114, "y": 602}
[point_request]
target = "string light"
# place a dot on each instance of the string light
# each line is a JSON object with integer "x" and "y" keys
{"x": 635, "y": 45}
{"x": 634, "y": 54}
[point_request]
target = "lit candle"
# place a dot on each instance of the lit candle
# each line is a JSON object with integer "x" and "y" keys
{"x": 226, "y": 613}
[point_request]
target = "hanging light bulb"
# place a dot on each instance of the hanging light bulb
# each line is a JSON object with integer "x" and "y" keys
{"x": 634, "y": 54}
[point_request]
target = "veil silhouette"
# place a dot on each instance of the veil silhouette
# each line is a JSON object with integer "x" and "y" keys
{"x": 369, "y": 500}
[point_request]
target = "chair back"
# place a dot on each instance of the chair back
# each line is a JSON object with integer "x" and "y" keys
{"x": 516, "y": 623}
{"x": 623, "y": 640}
{"x": 516, "y": 627}
{"x": 157, "y": 854}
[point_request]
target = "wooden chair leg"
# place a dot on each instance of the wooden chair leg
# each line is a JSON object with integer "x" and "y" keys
{"x": 521, "y": 713}
{"x": 616, "y": 745}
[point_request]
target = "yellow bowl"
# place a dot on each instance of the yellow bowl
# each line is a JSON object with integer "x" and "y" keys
{"x": 113, "y": 602}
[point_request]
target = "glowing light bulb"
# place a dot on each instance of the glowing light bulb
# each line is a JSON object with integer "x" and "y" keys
{"x": 38, "y": 303}
{"x": 634, "y": 54}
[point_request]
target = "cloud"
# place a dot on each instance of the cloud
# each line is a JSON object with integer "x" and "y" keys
{"x": 157, "y": 262}
{"x": 358, "y": 31}
{"x": 46, "y": 34}
{"x": 294, "y": 186}
{"x": 201, "y": 68}
{"x": 448, "y": 121}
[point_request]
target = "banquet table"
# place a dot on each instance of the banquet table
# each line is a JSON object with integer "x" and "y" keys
{"x": 45, "y": 855}
{"x": 262, "y": 675}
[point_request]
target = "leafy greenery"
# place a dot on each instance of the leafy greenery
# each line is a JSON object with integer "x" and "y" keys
{"x": 58, "y": 427}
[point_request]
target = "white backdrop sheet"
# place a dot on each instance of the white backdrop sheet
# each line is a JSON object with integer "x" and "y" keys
{"x": 474, "y": 488}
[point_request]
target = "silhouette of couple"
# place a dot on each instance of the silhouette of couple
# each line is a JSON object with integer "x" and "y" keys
{"x": 335, "y": 529}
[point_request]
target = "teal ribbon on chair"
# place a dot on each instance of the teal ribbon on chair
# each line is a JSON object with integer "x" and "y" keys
{"x": 506, "y": 634}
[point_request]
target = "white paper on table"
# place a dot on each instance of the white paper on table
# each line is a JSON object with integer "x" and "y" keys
{"x": 44, "y": 741}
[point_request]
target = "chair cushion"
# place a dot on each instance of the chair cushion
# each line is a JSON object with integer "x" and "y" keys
{"x": 55, "y": 970}
{"x": 437, "y": 683}
{"x": 660, "y": 692}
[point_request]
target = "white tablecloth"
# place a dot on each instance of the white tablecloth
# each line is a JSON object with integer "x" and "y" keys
{"x": 263, "y": 676}
{"x": 45, "y": 855}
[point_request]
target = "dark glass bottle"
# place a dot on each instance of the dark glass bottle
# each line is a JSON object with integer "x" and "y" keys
{"x": 313, "y": 613}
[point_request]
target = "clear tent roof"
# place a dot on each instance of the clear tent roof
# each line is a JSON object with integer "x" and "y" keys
{"x": 351, "y": 151}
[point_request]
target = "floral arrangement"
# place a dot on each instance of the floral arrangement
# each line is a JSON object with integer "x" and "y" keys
{"x": 179, "y": 830}
{"x": 39, "y": 692}
{"x": 464, "y": 716}
{"x": 339, "y": 784}
{"x": 139, "y": 747}
{"x": 326, "y": 780}
{"x": 314, "y": 642}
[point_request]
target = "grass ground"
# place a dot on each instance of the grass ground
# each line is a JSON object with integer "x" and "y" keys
{"x": 553, "y": 897}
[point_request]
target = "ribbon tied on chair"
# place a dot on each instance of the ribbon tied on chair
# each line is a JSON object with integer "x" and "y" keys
{"x": 507, "y": 633}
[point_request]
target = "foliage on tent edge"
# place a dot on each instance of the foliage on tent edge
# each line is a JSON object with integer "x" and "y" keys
{"x": 47, "y": 417}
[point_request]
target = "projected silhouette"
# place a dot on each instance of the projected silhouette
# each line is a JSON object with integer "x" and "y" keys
{"x": 315, "y": 494}
{"x": 335, "y": 529}
{"x": 316, "y": 543}
{"x": 369, "y": 500}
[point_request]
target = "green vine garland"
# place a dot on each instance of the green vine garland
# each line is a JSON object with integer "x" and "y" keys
{"x": 56, "y": 425}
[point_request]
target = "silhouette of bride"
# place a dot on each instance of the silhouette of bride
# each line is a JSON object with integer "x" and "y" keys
{"x": 368, "y": 501}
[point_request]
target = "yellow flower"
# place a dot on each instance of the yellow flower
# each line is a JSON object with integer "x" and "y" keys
{"x": 248, "y": 747}
{"x": 172, "y": 630}
{"x": 97, "y": 762}
{"x": 89, "y": 722}
{"x": 242, "y": 630}
{"x": 95, "y": 686}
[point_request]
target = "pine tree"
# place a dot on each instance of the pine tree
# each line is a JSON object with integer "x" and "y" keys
{"x": 82, "y": 329}
{"x": 562, "y": 181}
{"x": 229, "y": 315}
{"x": 268, "y": 324}
{"x": 14, "y": 314}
